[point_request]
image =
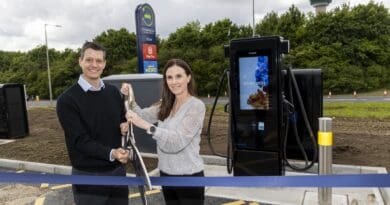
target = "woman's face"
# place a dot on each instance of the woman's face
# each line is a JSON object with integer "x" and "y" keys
{"x": 177, "y": 80}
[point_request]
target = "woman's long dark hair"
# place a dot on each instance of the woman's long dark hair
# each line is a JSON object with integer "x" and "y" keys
{"x": 168, "y": 98}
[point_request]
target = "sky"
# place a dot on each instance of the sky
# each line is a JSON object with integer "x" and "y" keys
{"x": 22, "y": 21}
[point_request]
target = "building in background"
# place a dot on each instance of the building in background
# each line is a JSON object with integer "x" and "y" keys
{"x": 320, "y": 5}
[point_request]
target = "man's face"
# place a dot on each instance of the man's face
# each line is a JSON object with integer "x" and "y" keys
{"x": 92, "y": 64}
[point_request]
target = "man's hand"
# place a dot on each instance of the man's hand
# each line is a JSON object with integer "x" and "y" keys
{"x": 121, "y": 155}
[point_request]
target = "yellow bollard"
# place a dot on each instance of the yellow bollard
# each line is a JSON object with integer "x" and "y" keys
{"x": 325, "y": 143}
{"x": 37, "y": 98}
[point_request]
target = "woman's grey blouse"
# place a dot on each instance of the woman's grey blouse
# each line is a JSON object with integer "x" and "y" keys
{"x": 178, "y": 137}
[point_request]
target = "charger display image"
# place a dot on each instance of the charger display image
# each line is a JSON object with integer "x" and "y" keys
{"x": 254, "y": 81}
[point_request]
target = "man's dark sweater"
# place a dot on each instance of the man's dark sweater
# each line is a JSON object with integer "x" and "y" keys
{"x": 91, "y": 124}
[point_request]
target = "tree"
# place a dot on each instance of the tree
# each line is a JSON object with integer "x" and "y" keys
{"x": 120, "y": 45}
{"x": 347, "y": 41}
{"x": 290, "y": 23}
{"x": 269, "y": 25}
{"x": 6, "y": 59}
{"x": 65, "y": 72}
{"x": 185, "y": 37}
{"x": 218, "y": 33}
{"x": 245, "y": 31}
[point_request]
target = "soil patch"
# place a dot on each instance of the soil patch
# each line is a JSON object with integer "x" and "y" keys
{"x": 356, "y": 141}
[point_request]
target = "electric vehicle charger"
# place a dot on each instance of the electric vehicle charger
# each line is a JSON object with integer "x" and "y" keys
{"x": 229, "y": 159}
{"x": 288, "y": 107}
{"x": 292, "y": 115}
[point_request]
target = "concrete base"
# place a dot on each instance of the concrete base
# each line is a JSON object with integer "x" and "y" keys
{"x": 312, "y": 198}
{"x": 5, "y": 141}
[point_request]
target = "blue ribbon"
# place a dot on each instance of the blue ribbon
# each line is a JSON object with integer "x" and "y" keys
{"x": 346, "y": 180}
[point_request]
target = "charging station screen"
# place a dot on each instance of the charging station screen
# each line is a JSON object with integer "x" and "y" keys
{"x": 254, "y": 81}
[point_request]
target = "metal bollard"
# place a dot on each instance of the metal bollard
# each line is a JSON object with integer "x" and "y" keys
{"x": 325, "y": 142}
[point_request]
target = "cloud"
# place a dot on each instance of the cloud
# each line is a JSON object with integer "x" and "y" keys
{"x": 22, "y": 22}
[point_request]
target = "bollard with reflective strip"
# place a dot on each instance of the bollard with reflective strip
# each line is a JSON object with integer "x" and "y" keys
{"x": 325, "y": 142}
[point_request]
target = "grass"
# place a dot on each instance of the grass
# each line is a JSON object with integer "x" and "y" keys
{"x": 218, "y": 108}
{"x": 377, "y": 110}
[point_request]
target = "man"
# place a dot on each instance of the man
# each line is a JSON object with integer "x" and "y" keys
{"x": 92, "y": 117}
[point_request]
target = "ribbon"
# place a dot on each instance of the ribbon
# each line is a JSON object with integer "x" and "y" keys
{"x": 345, "y": 180}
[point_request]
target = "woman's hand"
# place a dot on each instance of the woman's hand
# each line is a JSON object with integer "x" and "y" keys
{"x": 132, "y": 117}
{"x": 124, "y": 126}
{"x": 128, "y": 91}
{"x": 125, "y": 88}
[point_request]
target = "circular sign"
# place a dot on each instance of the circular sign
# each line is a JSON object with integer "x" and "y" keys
{"x": 147, "y": 15}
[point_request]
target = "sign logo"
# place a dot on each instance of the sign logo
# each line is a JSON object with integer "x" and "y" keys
{"x": 150, "y": 67}
{"x": 149, "y": 51}
{"x": 147, "y": 15}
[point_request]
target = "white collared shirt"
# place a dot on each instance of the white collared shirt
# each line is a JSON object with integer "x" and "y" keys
{"x": 85, "y": 85}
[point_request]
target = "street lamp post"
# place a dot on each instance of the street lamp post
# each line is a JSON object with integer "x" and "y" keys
{"x": 48, "y": 64}
{"x": 253, "y": 17}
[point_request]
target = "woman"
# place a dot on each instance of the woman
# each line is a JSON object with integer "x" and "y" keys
{"x": 179, "y": 116}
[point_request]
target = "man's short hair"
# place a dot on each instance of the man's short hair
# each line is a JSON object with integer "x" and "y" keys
{"x": 94, "y": 46}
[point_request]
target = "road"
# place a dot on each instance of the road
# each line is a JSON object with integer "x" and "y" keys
{"x": 224, "y": 100}
{"x": 357, "y": 99}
